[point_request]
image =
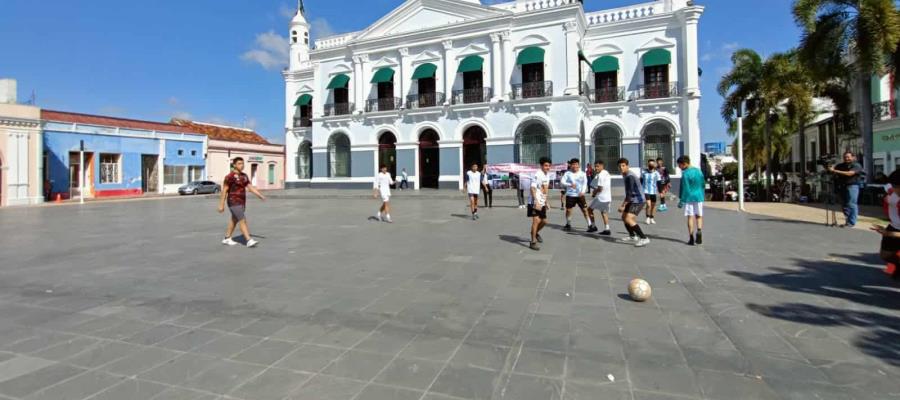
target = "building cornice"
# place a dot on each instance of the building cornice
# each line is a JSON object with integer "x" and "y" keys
{"x": 20, "y": 123}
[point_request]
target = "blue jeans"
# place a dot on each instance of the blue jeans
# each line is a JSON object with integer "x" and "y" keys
{"x": 850, "y": 197}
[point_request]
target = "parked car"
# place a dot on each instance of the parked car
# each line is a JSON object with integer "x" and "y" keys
{"x": 200, "y": 187}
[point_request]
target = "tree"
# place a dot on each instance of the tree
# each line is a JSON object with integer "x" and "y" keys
{"x": 856, "y": 38}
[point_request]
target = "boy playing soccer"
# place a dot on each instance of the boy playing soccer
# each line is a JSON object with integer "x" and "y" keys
{"x": 601, "y": 191}
{"x": 382, "y": 188}
{"x": 575, "y": 182}
{"x": 650, "y": 180}
{"x": 890, "y": 234}
{"x": 690, "y": 197}
{"x": 632, "y": 206}
{"x": 537, "y": 202}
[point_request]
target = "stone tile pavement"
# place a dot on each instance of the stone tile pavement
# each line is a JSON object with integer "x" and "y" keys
{"x": 138, "y": 300}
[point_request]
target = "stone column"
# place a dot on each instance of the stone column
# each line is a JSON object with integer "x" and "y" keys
{"x": 448, "y": 88}
{"x": 508, "y": 66}
{"x": 357, "y": 84}
{"x": 496, "y": 67}
{"x": 689, "y": 71}
{"x": 571, "y": 62}
{"x": 404, "y": 52}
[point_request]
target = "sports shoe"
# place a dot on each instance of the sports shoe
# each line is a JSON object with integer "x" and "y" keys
{"x": 592, "y": 229}
{"x": 628, "y": 239}
{"x": 699, "y": 238}
{"x": 540, "y": 239}
{"x": 606, "y": 233}
{"x": 653, "y": 221}
{"x": 642, "y": 242}
{"x": 534, "y": 246}
{"x": 388, "y": 220}
{"x": 229, "y": 242}
{"x": 647, "y": 221}
{"x": 567, "y": 228}
{"x": 691, "y": 241}
{"x": 662, "y": 208}
{"x": 252, "y": 243}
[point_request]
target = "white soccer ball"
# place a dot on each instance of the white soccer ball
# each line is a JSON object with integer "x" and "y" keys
{"x": 639, "y": 290}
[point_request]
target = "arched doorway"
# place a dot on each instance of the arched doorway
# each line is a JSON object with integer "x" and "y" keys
{"x": 657, "y": 143}
{"x": 387, "y": 152}
{"x": 607, "y": 145}
{"x": 429, "y": 159}
{"x": 339, "y": 156}
{"x": 304, "y": 161}
{"x": 474, "y": 147}
{"x": 532, "y": 142}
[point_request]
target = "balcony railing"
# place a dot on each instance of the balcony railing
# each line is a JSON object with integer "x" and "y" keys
{"x": 657, "y": 90}
{"x": 302, "y": 122}
{"x": 424, "y": 100}
{"x": 606, "y": 95}
{"x": 383, "y": 104}
{"x": 530, "y": 90}
{"x": 472, "y": 96}
{"x": 884, "y": 111}
{"x": 338, "y": 109}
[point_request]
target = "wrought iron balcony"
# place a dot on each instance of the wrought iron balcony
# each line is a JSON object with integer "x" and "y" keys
{"x": 607, "y": 95}
{"x": 530, "y": 90}
{"x": 472, "y": 96}
{"x": 338, "y": 109}
{"x": 884, "y": 111}
{"x": 424, "y": 100}
{"x": 302, "y": 122}
{"x": 657, "y": 90}
{"x": 383, "y": 104}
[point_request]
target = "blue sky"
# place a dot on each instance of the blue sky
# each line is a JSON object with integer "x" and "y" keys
{"x": 220, "y": 60}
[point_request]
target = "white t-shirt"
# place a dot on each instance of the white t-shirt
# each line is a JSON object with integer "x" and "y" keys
{"x": 383, "y": 183}
{"x": 604, "y": 180}
{"x": 893, "y": 209}
{"x": 536, "y": 197}
{"x": 473, "y": 182}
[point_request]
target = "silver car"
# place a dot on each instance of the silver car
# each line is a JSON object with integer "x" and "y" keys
{"x": 200, "y": 187}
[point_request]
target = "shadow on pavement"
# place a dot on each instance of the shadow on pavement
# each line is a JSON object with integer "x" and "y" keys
{"x": 516, "y": 240}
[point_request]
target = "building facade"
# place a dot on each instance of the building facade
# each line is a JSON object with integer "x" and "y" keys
{"x": 264, "y": 162}
{"x": 122, "y": 157}
{"x": 437, "y": 85}
{"x": 20, "y": 150}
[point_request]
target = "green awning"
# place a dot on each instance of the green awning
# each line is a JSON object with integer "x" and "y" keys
{"x": 303, "y": 100}
{"x": 339, "y": 81}
{"x": 424, "y": 71}
{"x": 605, "y": 64}
{"x": 470, "y": 64}
{"x": 656, "y": 57}
{"x": 531, "y": 55}
{"x": 383, "y": 75}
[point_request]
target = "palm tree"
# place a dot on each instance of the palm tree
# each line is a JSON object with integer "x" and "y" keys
{"x": 853, "y": 37}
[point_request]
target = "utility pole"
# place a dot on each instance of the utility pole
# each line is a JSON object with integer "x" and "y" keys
{"x": 740, "y": 135}
{"x": 81, "y": 173}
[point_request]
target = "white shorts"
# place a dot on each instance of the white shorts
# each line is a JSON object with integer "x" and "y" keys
{"x": 694, "y": 209}
{"x": 601, "y": 206}
{"x": 385, "y": 196}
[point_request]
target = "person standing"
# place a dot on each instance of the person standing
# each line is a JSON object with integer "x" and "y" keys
{"x": 848, "y": 177}
{"x": 537, "y": 202}
{"x": 890, "y": 234}
{"x": 632, "y": 206}
{"x": 601, "y": 191}
{"x": 650, "y": 180}
{"x": 472, "y": 186}
{"x": 575, "y": 182}
{"x": 690, "y": 197}
{"x": 665, "y": 184}
{"x": 382, "y": 188}
{"x": 488, "y": 190}
{"x": 234, "y": 192}
{"x": 521, "y": 184}
{"x": 404, "y": 179}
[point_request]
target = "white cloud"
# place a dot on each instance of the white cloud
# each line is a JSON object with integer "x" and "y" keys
{"x": 287, "y": 11}
{"x": 173, "y": 101}
{"x": 730, "y": 47}
{"x": 271, "y": 51}
{"x": 320, "y": 28}
{"x": 706, "y": 57}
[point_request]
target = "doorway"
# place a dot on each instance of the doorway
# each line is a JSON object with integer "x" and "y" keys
{"x": 149, "y": 173}
{"x": 75, "y": 175}
{"x": 253, "y": 169}
{"x": 429, "y": 159}
{"x": 474, "y": 147}
{"x": 387, "y": 152}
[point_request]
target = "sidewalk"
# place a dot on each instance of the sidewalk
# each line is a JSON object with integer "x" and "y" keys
{"x": 809, "y": 213}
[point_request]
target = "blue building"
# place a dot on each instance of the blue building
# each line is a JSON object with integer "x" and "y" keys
{"x": 122, "y": 157}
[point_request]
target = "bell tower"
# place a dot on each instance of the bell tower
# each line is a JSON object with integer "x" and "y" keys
{"x": 299, "y": 37}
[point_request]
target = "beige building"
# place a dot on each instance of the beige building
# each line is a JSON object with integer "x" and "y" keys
{"x": 21, "y": 149}
{"x": 264, "y": 162}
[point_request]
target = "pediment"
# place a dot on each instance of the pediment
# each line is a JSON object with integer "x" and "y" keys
{"x": 425, "y": 57}
{"x": 655, "y": 43}
{"x": 603, "y": 49}
{"x": 473, "y": 49}
{"x": 305, "y": 89}
{"x": 384, "y": 62}
{"x": 532, "y": 40}
{"x": 415, "y": 15}
{"x": 340, "y": 69}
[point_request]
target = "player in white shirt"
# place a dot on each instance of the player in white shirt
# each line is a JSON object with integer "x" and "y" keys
{"x": 601, "y": 191}
{"x": 382, "y": 188}
{"x": 537, "y": 202}
{"x": 575, "y": 182}
{"x": 472, "y": 186}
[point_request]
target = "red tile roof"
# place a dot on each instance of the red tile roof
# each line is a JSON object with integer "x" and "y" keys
{"x": 87, "y": 119}
{"x": 220, "y": 132}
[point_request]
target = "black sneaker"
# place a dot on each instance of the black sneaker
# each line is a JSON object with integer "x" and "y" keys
{"x": 540, "y": 239}
{"x": 691, "y": 241}
{"x": 592, "y": 229}
{"x": 567, "y": 228}
{"x": 606, "y": 233}
{"x": 699, "y": 238}
{"x": 534, "y": 246}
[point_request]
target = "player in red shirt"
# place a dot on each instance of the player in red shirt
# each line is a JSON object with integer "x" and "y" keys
{"x": 234, "y": 190}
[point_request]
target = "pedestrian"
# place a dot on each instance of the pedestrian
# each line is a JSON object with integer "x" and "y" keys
{"x": 601, "y": 191}
{"x": 632, "y": 205}
{"x": 234, "y": 193}
{"x": 472, "y": 186}
{"x": 665, "y": 184}
{"x": 404, "y": 179}
{"x": 848, "y": 177}
{"x": 690, "y": 197}
{"x": 537, "y": 202}
{"x": 382, "y": 188}
{"x": 488, "y": 190}
{"x": 524, "y": 184}
{"x": 650, "y": 179}
{"x": 576, "y": 183}
{"x": 890, "y": 234}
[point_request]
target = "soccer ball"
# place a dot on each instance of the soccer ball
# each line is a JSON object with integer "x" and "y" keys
{"x": 639, "y": 290}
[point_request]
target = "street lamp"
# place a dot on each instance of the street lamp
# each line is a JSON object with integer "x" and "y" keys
{"x": 81, "y": 173}
{"x": 740, "y": 155}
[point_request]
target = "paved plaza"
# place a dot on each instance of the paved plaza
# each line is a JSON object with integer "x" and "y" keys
{"x": 138, "y": 300}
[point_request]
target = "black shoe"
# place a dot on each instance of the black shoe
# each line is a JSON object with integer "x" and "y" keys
{"x": 539, "y": 239}
{"x": 592, "y": 229}
{"x": 534, "y": 246}
{"x": 567, "y": 228}
{"x": 699, "y": 238}
{"x": 691, "y": 241}
{"x": 606, "y": 233}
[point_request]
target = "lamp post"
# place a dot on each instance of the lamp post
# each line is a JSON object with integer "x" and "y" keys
{"x": 740, "y": 156}
{"x": 81, "y": 173}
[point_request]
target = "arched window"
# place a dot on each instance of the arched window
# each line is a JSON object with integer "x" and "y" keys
{"x": 304, "y": 161}
{"x": 607, "y": 144}
{"x": 339, "y": 156}
{"x": 657, "y": 142}
{"x": 532, "y": 142}
{"x": 293, "y": 36}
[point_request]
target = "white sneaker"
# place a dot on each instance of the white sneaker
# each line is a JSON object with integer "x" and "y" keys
{"x": 252, "y": 243}
{"x": 648, "y": 221}
{"x": 652, "y": 221}
{"x": 642, "y": 242}
{"x": 229, "y": 242}
{"x": 388, "y": 220}
{"x": 628, "y": 239}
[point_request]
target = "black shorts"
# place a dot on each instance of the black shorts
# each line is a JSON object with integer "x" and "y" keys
{"x": 890, "y": 244}
{"x": 634, "y": 208}
{"x": 662, "y": 187}
{"x": 650, "y": 197}
{"x": 571, "y": 202}
{"x": 533, "y": 212}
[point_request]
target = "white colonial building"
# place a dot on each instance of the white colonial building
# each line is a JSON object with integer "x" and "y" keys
{"x": 439, "y": 84}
